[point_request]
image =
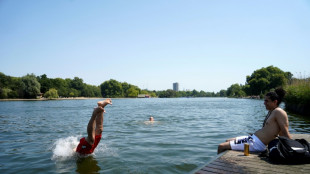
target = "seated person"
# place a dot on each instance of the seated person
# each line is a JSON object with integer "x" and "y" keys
{"x": 276, "y": 123}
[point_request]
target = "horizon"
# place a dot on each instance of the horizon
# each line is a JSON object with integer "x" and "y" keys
{"x": 202, "y": 45}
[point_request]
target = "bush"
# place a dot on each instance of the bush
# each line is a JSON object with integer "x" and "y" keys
{"x": 298, "y": 92}
{"x": 51, "y": 93}
{"x": 297, "y": 98}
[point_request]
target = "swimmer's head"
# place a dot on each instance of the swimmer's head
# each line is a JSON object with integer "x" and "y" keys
{"x": 151, "y": 119}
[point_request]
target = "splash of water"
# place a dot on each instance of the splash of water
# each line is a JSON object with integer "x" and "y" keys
{"x": 63, "y": 148}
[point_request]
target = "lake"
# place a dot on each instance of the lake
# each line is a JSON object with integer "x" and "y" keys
{"x": 38, "y": 136}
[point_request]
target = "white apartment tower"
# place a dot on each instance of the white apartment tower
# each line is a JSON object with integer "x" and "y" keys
{"x": 176, "y": 86}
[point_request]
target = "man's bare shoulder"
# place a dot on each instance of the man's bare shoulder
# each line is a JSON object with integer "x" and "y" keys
{"x": 279, "y": 112}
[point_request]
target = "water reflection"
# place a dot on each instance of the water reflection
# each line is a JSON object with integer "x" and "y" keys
{"x": 87, "y": 165}
{"x": 298, "y": 123}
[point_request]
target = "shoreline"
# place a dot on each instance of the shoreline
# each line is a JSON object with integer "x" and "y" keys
{"x": 100, "y": 98}
{"x": 69, "y": 98}
{"x": 46, "y": 99}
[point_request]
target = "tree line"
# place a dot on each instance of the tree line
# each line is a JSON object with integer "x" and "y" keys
{"x": 260, "y": 82}
{"x": 31, "y": 86}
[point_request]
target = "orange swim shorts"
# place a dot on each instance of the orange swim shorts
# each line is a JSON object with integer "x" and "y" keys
{"x": 85, "y": 148}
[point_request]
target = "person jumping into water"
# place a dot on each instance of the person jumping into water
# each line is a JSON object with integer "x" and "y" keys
{"x": 276, "y": 123}
{"x": 94, "y": 129}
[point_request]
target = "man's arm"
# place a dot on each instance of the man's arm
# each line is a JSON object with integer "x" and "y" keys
{"x": 282, "y": 120}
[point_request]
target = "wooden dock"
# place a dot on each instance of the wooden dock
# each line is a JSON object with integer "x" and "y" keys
{"x": 235, "y": 162}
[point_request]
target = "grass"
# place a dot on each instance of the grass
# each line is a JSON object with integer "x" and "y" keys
{"x": 298, "y": 92}
{"x": 297, "y": 98}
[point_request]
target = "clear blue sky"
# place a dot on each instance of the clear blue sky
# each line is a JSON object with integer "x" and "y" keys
{"x": 202, "y": 44}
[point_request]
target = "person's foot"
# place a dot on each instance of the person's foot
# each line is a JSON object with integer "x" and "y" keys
{"x": 104, "y": 102}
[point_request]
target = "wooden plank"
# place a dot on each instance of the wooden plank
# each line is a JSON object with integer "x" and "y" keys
{"x": 236, "y": 162}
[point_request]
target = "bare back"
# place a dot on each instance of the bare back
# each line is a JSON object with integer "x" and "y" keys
{"x": 276, "y": 124}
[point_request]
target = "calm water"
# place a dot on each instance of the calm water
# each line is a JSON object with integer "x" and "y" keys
{"x": 38, "y": 136}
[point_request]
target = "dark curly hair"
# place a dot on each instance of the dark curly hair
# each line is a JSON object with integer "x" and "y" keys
{"x": 278, "y": 95}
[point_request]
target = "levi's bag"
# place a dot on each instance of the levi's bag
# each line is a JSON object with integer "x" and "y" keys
{"x": 285, "y": 150}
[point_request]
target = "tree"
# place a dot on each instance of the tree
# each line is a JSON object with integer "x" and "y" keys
{"x": 202, "y": 94}
{"x": 4, "y": 80}
{"x": 111, "y": 88}
{"x": 4, "y": 92}
{"x": 17, "y": 88}
{"x": 51, "y": 93}
{"x": 126, "y": 87}
{"x": 77, "y": 83}
{"x": 235, "y": 90}
{"x": 91, "y": 91}
{"x": 73, "y": 92}
{"x": 45, "y": 82}
{"x": 62, "y": 86}
{"x": 32, "y": 86}
{"x": 195, "y": 93}
{"x": 132, "y": 92}
{"x": 152, "y": 93}
{"x": 265, "y": 79}
{"x": 223, "y": 93}
{"x": 167, "y": 94}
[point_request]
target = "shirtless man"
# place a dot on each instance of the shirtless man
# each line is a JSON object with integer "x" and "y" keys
{"x": 94, "y": 129}
{"x": 275, "y": 123}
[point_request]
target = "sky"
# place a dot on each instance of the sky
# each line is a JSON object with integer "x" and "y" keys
{"x": 202, "y": 44}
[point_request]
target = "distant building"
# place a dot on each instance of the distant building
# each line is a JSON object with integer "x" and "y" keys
{"x": 143, "y": 96}
{"x": 176, "y": 86}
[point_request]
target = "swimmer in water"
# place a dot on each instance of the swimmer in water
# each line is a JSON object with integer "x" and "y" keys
{"x": 151, "y": 119}
{"x": 94, "y": 129}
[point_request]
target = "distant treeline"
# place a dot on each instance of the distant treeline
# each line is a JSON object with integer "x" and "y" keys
{"x": 31, "y": 86}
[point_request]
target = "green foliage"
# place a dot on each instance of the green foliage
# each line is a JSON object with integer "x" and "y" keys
{"x": 45, "y": 82}
{"x": 235, "y": 90}
{"x": 29, "y": 86}
{"x": 172, "y": 94}
{"x": 62, "y": 86}
{"x": 74, "y": 93}
{"x": 111, "y": 88}
{"x": 150, "y": 93}
{"x": 4, "y": 92}
{"x": 51, "y": 93}
{"x": 91, "y": 91}
{"x": 11, "y": 87}
{"x": 167, "y": 94}
{"x": 298, "y": 92}
{"x": 132, "y": 92}
{"x": 77, "y": 84}
{"x": 260, "y": 82}
{"x": 265, "y": 79}
{"x": 297, "y": 98}
{"x": 32, "y": 86}
{"x": 223, "y": 93}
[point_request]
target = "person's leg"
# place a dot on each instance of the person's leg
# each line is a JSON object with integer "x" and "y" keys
{"x": 92, "y": 125}
{"x": 230, "y": 139}
{"x": 99, "y": 119}
{"x": 223, "y": 146}
{"x": 99, "y": 124}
